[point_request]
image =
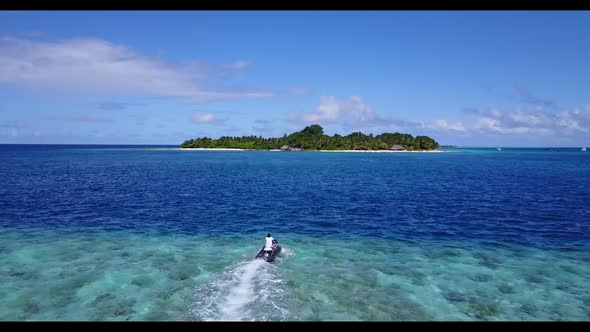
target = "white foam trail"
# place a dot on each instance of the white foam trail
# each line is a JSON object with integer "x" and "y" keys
{"x": 286, "y": 252}
{"x": 250, "y": 290}
{"x": 242, "y": 293}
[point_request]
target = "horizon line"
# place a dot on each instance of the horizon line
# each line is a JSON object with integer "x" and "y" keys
{"x": 440, "y": 145}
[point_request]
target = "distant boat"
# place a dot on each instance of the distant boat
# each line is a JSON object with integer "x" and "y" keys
{"x": 584, "y": 149}
{"x": 499, "y": 149}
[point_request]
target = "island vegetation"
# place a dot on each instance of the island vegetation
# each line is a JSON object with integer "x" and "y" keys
{"x": 313, "y": 138}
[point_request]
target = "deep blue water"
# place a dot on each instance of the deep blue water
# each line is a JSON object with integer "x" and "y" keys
{"x": 528, "y": 196}
{"x": 157, "y": 233}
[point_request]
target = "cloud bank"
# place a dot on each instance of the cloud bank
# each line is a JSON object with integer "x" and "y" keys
{"x": 91, "y": 65}
{"x": 353, "y": 112}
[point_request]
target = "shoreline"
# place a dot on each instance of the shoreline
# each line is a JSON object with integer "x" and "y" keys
{"x": 277, "y": 150}
{"x": 384, "y": 151}
{"x": 212, "y": 149}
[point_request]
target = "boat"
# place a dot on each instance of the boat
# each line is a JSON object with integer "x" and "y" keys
{"x": 276, "y": 249}
{"x": 584, "y": 149}
{"x": 499, "y": 149}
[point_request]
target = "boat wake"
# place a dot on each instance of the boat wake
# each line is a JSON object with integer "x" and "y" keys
{"x": 248, "y": 291}
{"x": 286, "y": 252}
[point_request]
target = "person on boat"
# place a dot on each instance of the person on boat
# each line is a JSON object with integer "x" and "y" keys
{"x": 269, "y": 244}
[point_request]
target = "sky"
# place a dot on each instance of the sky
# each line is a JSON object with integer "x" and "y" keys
{"x": 482, "y": 78}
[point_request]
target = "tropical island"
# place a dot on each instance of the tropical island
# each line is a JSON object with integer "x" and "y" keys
{"x": 313, "y": 138}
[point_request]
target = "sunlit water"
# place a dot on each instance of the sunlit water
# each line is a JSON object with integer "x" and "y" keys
{"x": 142, "y": 234}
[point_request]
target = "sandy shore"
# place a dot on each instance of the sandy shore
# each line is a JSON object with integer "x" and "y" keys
{"x": 213, "y": 149}
{"x": 277, "y": 150}
{"x": 381, "y": 151}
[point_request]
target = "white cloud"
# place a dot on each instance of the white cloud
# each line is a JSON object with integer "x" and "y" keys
{"x": 354, "y": 113}
{"x": 528, "y": 118}
{"x": 328, "y": 111}
{"x": 203, "y": 118}
{"x": 240, "y": 64}
{"x": 351, "y": 113}
{"x": 332, "y": 110}
{"x": 360, "y": 111}
{"x": 93, "y": 65}
{"x": 535, "y": 122}
{"x": 445, "y": 125}
{"x": 207, "y": 118}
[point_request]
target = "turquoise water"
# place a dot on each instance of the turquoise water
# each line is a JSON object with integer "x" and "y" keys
{"x": 49, "y": 275}
{"x": 137, "y": 234}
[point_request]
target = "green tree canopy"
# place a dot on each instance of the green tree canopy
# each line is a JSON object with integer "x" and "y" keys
{"x": 313, "y": 138}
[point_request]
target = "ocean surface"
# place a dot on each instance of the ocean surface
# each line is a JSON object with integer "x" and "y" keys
{"x": 156, "y": 233}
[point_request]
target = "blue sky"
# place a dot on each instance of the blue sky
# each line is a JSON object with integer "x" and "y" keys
{"x": 147, "y": 77}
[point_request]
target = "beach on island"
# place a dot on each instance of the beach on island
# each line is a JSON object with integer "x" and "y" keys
{"x": 278, "y": 150}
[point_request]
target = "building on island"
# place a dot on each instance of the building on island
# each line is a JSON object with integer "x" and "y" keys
{"x": 397, "y": 148}
{"x": 288, "y": 148}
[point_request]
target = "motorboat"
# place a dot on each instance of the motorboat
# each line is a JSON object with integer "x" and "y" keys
{"x": 276, "y": 249}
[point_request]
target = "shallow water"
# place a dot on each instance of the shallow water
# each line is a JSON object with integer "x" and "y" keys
{"x": 121, "y": 276}
{"x": 138, "y": 234}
